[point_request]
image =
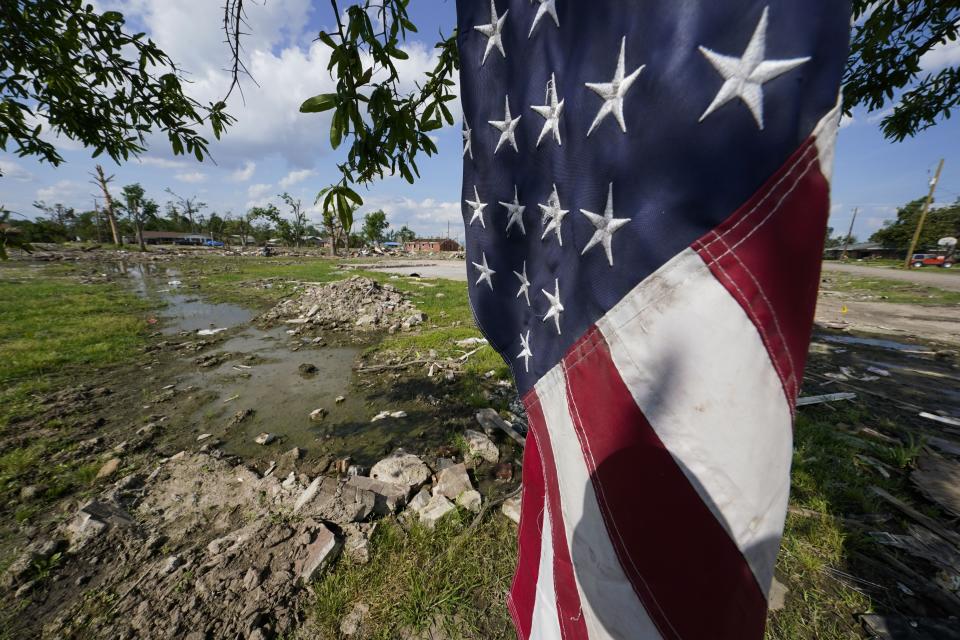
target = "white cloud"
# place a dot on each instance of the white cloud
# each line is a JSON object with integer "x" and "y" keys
{"x": 876, "y": 116}
{"x": 257, "y": 195}
{"x": 294, "y": 177}
{"x": 191, "y": 177}
{"x": 428, "y": 217}
{"x": 69, "y": 193}
{"x": 162, "y": 163}
{"x": 13, "y": 171}
{"x": 846, "y": 121}
{"x": 943, "y": 55}
{"x": 245, "y": 173}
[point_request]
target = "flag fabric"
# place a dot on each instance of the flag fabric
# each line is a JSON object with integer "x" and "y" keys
{"x": 645, "y": 193}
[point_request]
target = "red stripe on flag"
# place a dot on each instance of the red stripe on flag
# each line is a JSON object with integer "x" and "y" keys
{"x": 685, "y": 568}
{"x": 572, "y": 625}
{"x": 768, "y": 256}
{"x": 523, "y": 591}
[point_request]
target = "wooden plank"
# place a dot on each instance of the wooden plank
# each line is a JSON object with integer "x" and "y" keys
{"x": 489, "y": 419}
{"x": 915, "y": 515}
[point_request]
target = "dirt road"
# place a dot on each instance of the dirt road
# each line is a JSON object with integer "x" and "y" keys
{"x": 448, "y": 269}
{"x": 929, "y": 276}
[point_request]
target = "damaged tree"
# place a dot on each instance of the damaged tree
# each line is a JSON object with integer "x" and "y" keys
{"x": 102, "y": 181}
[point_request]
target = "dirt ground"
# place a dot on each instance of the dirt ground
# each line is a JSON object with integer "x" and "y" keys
{"x": 930, "y": 276}
{"x": 192, "y": 529}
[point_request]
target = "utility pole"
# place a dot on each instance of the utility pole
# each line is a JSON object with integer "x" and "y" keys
{"x": 846, "y": 243}
{"x": 923, "y": 215}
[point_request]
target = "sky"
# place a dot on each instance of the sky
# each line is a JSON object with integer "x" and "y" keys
{"x": 274, "y": 148}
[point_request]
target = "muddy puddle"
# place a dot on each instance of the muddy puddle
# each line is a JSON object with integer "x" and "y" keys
{"x": 258, "y": 376}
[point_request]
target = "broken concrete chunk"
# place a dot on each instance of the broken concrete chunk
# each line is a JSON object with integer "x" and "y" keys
{"x": 511, "y": 508}
{"x": 204, "y": 436}
{"x": 420, "y": 501}
{"x": 171, "y": 564}
{"x": 265, "y": 438}
{"x": 389, "y": 497}
{"x": 336, "y": 501}
{"x": 352, "y": 623}
{"x": 480, "y": 446}
{"x": 438, "y": 507}
{"x": 318, "y": 553}
{"x": 109, "y": 468}
{"x": 470, "y": 500}
{"x": 401, "y": 468}
{"x": 308, "y": 494}
{"x": 317, "y": 415}
{"x": 452, "y": 481}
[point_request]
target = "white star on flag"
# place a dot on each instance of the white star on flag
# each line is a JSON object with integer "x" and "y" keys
{"x": 515, "y": 211}
{"x": 526, "y": 353}
{"x": 554, "y": 214}
{"x": 467, "y": 140}
{"x": 485, "y": 272}
{"x": 551, "y": 112}
{"x": 606, "y": 226}
{"x": 546, "y": 7}
{"x": 477, "y": 207}
{"x": 555, "y": 307}
{"x": 507, "y": 127}
{"x": 745, "y": 76}
{"x": 493, "y": 31}
{"x": 524, "y": 283}
{"x": 613, "y": 92}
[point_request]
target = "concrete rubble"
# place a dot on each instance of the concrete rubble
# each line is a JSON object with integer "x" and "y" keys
{"x": 511, "y": 508}
{"x": 353, "y": 303}
{"x": 481, "y": 446}
{"x": 401, "y": 468}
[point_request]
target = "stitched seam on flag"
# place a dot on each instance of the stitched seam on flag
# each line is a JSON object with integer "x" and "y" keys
{"x": 598, "y": 488}
{"x": 774, "y": 210}
{"x": 553, "y": 523}
{"x": 745, "y": 307}
{"x": 773, "y": 188}
{"x": 791, "y": 380}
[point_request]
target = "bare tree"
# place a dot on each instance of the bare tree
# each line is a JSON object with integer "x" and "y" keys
{"x": 189, "y": 207}
{"x": 102, "y": 181}
{"x": 299, "y": 223}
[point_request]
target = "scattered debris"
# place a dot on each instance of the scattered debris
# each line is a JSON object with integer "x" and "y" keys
{"x": 317, "y": 415}
{"x": 265, "y": 438}
{"x": 210, "y": 332}
{"x": 356, "y": 302}
{"x": 830, "y": 397}
{"x": 480, "y": 446}
{"x": 352, "y": 623}
{"x": 339, "y": 399}
{"x": 204, "y": 436}
{"x": 511, "y": 508}
{"x": 490, "y": 420}
{"x": 109, "y": 468}
{"x": 918, "y": 517}
{"x": 240, "y": 416}
{"x": 953, "y": 422}
{"x": 469, "y": 342}
{"x": 777, "y": 596}
{"x": 401, "y": 468}
{"x": 452, "y": 481}
{"x": 307, "y": 369}
{"x": 939, "y": 480}
{"x": 383, "y": 415}
{"x": 902, "y": 628}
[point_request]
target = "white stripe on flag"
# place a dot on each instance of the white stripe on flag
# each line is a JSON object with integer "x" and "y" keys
{"x": 546, "y": 622}
{"x": 610, "y": 606}
{"x": 698, "y": 370}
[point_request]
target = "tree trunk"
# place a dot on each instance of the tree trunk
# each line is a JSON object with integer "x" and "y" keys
{"x": 102, "y": 181}
{"x": 96, "y": 211}
{"x": 143, "y": 245}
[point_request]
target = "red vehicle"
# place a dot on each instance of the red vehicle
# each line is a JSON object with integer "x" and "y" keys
{"x": 930, "y": 260}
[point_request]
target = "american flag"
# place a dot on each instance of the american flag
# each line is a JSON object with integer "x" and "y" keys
{"x": 645, "y": 192}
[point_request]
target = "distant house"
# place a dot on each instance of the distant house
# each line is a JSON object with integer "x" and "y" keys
{"x": 171, "y": 237}
{"x": 864, "y": 251}
{"x": 431, "y": 245}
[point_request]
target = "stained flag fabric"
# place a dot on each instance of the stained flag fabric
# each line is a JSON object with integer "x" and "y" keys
{"x": 645, "y": 193}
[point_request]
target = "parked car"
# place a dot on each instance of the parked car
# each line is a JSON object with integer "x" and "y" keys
{"x": 930, "y": 260}
{"x": 213, "y": 243}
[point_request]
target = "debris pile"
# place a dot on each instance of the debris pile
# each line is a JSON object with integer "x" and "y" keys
{"x": 353, "y": 303}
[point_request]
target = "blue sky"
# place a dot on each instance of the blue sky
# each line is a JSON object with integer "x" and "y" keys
{"x": 273, "y": 148}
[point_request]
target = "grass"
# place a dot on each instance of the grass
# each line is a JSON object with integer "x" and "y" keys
{"x": 50, "y": 322}
{"x": 880, "y": 288}
{"x": 420, "y": 578}
{"x": 53, "y": 330}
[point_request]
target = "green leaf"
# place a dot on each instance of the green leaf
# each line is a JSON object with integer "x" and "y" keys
{"x": 319, "y": 103}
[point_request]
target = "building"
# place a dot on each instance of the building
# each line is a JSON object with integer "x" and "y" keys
{"x": 431, "y": 245}
{"x": 170, "y": 237}
{"x": 864, "y": 251}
